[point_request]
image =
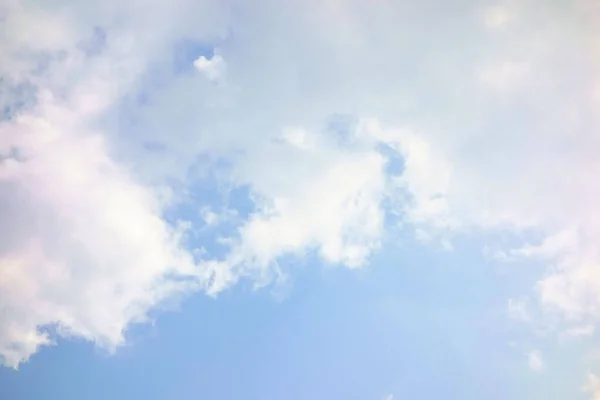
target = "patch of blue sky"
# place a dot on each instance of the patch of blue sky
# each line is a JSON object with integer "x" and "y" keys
{"x": 130, "y": 114}
{"x": 96, "y": 43}
{"x": 341, "y": 126}
{"x": 161, "y": 72}
{"x": 214, "y": 213}
{"x": 15, "y": 97}
{"x": 416, "y": 324}
{"x": 186, "y": 51}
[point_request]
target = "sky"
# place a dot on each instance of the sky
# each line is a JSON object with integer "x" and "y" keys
{"x": 334, "y": 199}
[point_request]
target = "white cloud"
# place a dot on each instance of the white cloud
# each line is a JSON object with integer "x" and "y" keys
{"x": 328, "y": 199}
{"x": 83, "y": 247}
{"x": 84, "y": 250}
{"x": 535, "y": 361}
{"x": 477, "y": 158}
{"x": 213, "y": 68}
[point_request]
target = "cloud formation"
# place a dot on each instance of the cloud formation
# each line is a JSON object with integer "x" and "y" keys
{"x": 84, "y": 249}
{"x": 317, "y": 101}
{"x": 213, "y": 68}
{"x": 83, "y": 246}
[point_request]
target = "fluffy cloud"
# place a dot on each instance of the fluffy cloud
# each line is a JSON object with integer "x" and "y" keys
{"x": 86, "y": 250}
{"x": 83, "y": 247}
{"x": 213, "y": 68}
{"x": 497, "y": 134}
{"x": 327, "y": 198}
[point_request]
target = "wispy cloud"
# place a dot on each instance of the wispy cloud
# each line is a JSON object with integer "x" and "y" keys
{"x": 213, "y": 68}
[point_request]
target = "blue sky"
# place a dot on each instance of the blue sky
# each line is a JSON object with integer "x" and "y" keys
{"x": 302, "y": 200}
{"x": 397, "y": 328}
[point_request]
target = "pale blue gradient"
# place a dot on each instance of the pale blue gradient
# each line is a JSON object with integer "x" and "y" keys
{"x": 415, "y": 324}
